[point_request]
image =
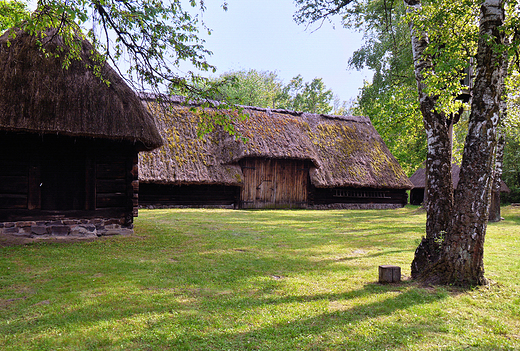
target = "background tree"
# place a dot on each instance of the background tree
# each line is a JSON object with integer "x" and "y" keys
{"x": 266, "y": 89}
{"x": 311, "y": 97}
{"x": 390, "y": 99}
{"x": 250, "y": 88}
{"x": 511, "y": 130}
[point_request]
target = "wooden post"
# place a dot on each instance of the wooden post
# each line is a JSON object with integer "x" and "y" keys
{"x": 389, "y": 274}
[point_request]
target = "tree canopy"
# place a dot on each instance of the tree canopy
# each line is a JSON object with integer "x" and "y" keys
{"x": 266, "y": 89}
{"x": 150, "y": 38}
{"x": 390, "y": 99}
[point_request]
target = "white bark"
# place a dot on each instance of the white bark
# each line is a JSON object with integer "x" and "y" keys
{"x": 439, "y": 186}
{"x": 460, "y": 261}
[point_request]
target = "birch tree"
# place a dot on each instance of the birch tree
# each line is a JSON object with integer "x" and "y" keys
{"x": 461, "y": 251}
{"x": 452, "y": 251}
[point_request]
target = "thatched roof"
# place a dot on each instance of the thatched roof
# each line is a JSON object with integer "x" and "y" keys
{"x": 184, "y": 158}
{"x": 418, "y": 179}
{"x": 344, "y": 151}
{"x": 39, "y": 96}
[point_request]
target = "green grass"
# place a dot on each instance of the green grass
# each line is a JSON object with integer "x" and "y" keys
{"x": 255, "y": 280}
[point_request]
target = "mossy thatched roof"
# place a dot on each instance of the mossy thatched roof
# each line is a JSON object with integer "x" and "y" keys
{"x": 344, "y": 151}
{"x": 39, "y": 96}
{"x": 185, "y": 158}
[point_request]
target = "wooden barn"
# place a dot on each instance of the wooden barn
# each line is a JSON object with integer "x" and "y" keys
{"x": 418, "y": 179}
{"x": 289, "y": 160}
{"x": 68, "y": 143}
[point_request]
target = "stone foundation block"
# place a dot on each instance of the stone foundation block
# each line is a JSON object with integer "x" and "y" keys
{"x": 60, "y": 230}
{"x": 38, "y": 229}
{"x": 67, "y": 228}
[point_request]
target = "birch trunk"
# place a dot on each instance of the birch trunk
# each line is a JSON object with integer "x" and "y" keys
{"x": 494, "y": 206}
{"x": 439, "y": 186}
{"x": 461, "y": 258}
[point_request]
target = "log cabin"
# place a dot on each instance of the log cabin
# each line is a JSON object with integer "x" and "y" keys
{"x": 276, "y": 159}
{"x": 68, "y": 142}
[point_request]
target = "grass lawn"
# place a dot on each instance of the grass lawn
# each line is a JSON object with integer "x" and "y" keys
{"x": 196, "y": 279}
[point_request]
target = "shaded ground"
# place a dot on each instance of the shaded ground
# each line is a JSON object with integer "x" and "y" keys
{"x": 12, "y": 240}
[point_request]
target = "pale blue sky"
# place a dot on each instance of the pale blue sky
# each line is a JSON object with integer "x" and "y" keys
{"x": 262, "y": 34}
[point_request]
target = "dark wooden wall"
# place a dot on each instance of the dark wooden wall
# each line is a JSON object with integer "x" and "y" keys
{"x": 188, "y": 195}
{"x": 274, "y": 183}
{"x": 321, "y": 196}
{"x": 267, "y": 183}
{"x": 49, "y": 176}
{"x": 417, "y": 196}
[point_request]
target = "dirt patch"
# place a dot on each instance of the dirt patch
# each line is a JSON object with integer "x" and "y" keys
{"x": 15, "y": 240}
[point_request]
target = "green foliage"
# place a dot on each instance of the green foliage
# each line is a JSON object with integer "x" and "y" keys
{"x": 12, "y": 13}
{"x": 265, "y": 89}
{"x": 396, "y": 116}
{"x": 452, "y": 29}
{"x": 311, "y": 97}
{"x": 251, "y": 88}
{"x": 152, "y": 36}
{"x": 511, "y": 130}
{"x": 390, "y": 100}
{"x": 511, "y": 171}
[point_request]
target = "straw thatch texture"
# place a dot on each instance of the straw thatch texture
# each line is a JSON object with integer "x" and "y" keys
{"x": 352, "y": 154}
{"x": 344, "y": 151}
{"x": 39, "y": 96}
{"x": 418, "y": 179}
{"x": 272, "y": 134}
{"x": 185, "y": 158}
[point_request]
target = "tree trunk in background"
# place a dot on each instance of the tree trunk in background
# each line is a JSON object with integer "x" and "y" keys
{"x": 461, "y": 257}
{"x": 439, "y": 186}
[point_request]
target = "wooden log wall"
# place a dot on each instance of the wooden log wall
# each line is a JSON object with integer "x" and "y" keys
{"x": 358, "y": 196}
{"x": 14, "y": 180}
{"x": 274, "y": 183}
{"x": 196, "y": 195}
{"x": 417, "y": 196}
{"x": 45, "y": 177}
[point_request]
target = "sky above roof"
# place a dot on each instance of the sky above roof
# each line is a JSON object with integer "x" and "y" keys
{"x": 262, "y": 35}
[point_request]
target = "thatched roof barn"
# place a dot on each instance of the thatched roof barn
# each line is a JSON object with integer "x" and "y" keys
{"x": 290, "y": 159}
{"x": 40, "y": 96}
{"x": 68, "y": 141}
{"x": 418, "y": 180}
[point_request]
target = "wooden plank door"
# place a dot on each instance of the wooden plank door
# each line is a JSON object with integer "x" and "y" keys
{"x": 273, "y": 183}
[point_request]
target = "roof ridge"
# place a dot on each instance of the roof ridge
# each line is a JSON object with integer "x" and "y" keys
{"x": 181, "y": 100}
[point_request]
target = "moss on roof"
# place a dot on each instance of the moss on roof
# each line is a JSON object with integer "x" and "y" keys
{"x": 185, "y": 158}
{"x": 344, "y": 151}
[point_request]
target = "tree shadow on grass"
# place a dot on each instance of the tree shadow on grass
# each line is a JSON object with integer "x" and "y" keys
{"x": 368, "y": 325}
